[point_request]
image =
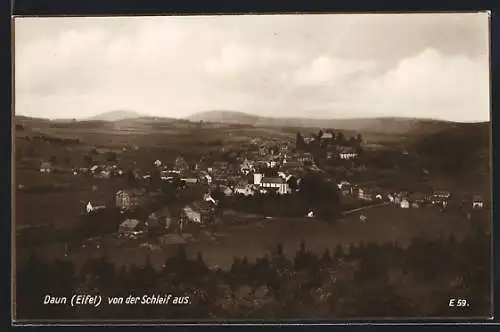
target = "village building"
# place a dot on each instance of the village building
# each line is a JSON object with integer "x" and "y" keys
{"x": 180, "y": 164}
{"x": 244, "y": 189}
{"x": 257, "y": 178}
{"x": 278, "y": 183}
{"x": 132, "y": 228}
{"x": 305, "y": 157}
{"x": 208, "y": 179}
{"x": 192, "y": 214}
{"x": 327, "y": 136}
{"x": 199, "y": 212}
{"x": 130, "y": 198}
{"x": 347, "y": 153}
{"x": 366, "y": 194}
{"x": 418, "y": 198}
{"x": 91, "y": 208}
{"x": 45, "y": 167}
{"x": 209, "y": 198}
{"x": 246, "y": 166}
{"x": 226, "y": 190}
{"x": 262, "y": 151}
{"x": 404, "y": 203}
{"x": 477, "y": 202}
{"x": 343, "y": 183}
{"x": 441, "y": 195}
{"x": 189, "y": 178}
{"x": 95, "y": 168}
{"x": 103, "y": 174}
{"x": 161, "y": 218}
{"x": 271, "y": 163}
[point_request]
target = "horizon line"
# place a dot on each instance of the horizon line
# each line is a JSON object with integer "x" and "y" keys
{"x": 186, "y": 117}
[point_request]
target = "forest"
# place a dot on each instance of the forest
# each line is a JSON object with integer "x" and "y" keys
{"x": 361, "y": 281}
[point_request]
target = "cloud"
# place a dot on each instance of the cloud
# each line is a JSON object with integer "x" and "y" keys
{"x": 283, "y": 66}
{"x": 433, "y": 85}
{"x": 327, "y": 70}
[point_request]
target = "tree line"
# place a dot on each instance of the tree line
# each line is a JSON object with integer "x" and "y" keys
{"x": 365, "y": 280}
{"x": 336, "y": 138}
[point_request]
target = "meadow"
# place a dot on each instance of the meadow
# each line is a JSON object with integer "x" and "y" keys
{"x": 253, "y": 239}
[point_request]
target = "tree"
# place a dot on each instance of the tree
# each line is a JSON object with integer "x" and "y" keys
{"x": 53, "y": 159}
{"x": 87, "y": 160}
{"x": 299, "y": 141}
{"x": 111, "y": 156}
{"x": 320, "y": 134}
{"x": 340, "y": 137}
{"x": 292, "y": 183}
{"x": 131, "y": 178}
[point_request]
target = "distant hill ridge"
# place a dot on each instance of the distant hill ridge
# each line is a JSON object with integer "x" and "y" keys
{"x": 115, "y": 116}
{"x": 383, "y": 125}
{"x": 392, "y": 125}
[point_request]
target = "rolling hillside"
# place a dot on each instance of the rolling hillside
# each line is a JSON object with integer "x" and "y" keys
{"x": 463, "y": 149}
{"x": 393, "y": 125}
{"x": 114, "y": 116}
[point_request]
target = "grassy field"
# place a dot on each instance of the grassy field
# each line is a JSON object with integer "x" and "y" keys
{"x": 385, "y": 224}
{"x": 61, "y": 207}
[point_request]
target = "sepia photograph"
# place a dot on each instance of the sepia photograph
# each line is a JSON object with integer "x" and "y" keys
{"x": 252, "y": 168}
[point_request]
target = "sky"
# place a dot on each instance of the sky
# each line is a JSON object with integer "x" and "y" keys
{"x": 313, "y": 66}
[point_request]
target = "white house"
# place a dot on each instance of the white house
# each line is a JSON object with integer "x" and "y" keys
{"x": 208, "y": 178}
{"x": 45, "y": 167}
{"x": 157, "y": 163}
{"x": 92, "y": 208}
{"x": 244, "y": 190}
{"x": 227, "y": 191}
{"x": 342, "y": 184}
{"x": 271, "y": 163}
{"x": 94, "y": 168}
{"x": 405, "y": 204}
{"x": 257, "y": 178}
{"x": 276, "y": 182}
{"x": 477, "y": 202}
{"x": 208, "y": 198}
{"x": 347, "y": 154}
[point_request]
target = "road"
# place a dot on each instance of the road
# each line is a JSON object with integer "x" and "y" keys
{"x": 345, "y": 213}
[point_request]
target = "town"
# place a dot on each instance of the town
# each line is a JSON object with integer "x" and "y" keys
{"x": 321, "y": 176}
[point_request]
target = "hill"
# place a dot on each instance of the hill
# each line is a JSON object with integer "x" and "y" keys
{"x": 389, "y": 125}
{"x": 461, "y": 148}
{"x": 114, "y": 116}
{"x": 459, "y": 139}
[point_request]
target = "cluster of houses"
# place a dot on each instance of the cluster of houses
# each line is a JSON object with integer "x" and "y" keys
{"x": 406, "y": 200}
{"x": 162, "y": 220}
{"x": 97, "y": 171}
{"x": 246, "y": 177}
